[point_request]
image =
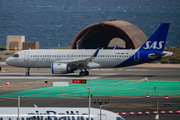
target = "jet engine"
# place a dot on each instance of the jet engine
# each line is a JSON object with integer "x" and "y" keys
{"x": 60, "y": 68}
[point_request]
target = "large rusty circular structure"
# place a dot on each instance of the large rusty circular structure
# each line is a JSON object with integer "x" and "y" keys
{"x": 108, "y": 34}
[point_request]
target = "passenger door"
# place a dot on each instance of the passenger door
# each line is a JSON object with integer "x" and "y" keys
{"x": 26, "y": 56}
{"x": 136, "y": 56}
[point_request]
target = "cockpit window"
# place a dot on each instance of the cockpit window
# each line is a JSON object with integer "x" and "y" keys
{"x": 16, "y": 55}
{"x": 119, "y": 118}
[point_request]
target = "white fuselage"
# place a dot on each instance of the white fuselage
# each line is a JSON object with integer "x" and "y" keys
{"x": 44, "y": 58}
{"x": 55, "y": 113}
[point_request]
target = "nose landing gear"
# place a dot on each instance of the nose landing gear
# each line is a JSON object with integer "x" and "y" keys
{"x": 27, "y": 73}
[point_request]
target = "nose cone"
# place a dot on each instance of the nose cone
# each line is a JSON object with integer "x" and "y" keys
{"x": 7, "y": 61}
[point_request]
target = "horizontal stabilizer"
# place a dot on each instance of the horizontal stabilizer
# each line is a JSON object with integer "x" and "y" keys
{"x": 162, "y": 55}
{"x": 153, "y": 55}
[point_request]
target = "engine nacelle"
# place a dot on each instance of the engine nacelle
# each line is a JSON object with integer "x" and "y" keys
{"x": 60, "y": 68}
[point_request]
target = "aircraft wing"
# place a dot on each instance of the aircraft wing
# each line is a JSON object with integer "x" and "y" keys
{"x": 80, "y": 63}
{"x": 153, "y": 55}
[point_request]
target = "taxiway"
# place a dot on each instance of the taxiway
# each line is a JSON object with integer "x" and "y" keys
{"x": 16, "y": 77}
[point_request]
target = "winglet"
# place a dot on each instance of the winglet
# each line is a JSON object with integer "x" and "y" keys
{"x": 115, "y": 47}
{"x": 96, "y": 53}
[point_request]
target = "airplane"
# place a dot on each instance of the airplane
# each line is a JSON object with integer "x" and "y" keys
{"x": 56, "y": 113}
{"x": 69, "y": 60}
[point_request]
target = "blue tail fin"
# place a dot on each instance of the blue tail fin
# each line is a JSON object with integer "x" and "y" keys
{"x": 158, "y": 39}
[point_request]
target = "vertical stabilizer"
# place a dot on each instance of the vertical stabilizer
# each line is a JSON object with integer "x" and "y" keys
{"x": 158, "y": 39}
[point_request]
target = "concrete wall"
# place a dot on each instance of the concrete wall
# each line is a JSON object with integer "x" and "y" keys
{"x": 13, "y": 42}
{"x": 108, "y": 34}
{"x": 31, "y": 45}
{"x": 13, "y": 45}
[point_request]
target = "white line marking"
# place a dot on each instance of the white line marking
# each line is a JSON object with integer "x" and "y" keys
{"x": 136, "y": 69}
{"x": 50, "y": 76}
{"x": 102, "y": 69}
{"x": 3, "y": 63}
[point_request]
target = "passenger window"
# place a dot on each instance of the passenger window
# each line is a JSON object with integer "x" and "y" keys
{"x": 16, "y": 55}
{"x": 1, "y": 118}
{"x": 22, "y": 118}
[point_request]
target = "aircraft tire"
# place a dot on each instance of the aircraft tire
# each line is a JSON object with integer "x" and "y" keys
{"x": 86, "y": 73}
{"x": 27, "y": 74}
{"x": 81, "y": 74}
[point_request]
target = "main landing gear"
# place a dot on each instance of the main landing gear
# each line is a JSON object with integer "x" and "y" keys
{"x": 27, "y": 73}
{"x": 84, "y": 73}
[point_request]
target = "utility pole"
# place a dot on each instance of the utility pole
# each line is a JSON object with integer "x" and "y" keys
{"x": 18, "y": 106}
{"x": 157, "y": 116}
{"x": 89, "y": 103}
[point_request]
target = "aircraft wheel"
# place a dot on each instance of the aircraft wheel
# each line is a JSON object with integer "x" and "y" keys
{"x": 81, "y": 74}
{"x": 27, "y": 74}
{"x": 86, "y": 73}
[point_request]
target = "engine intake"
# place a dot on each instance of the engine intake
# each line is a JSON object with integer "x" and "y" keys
{"x": 60, "y": 68}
